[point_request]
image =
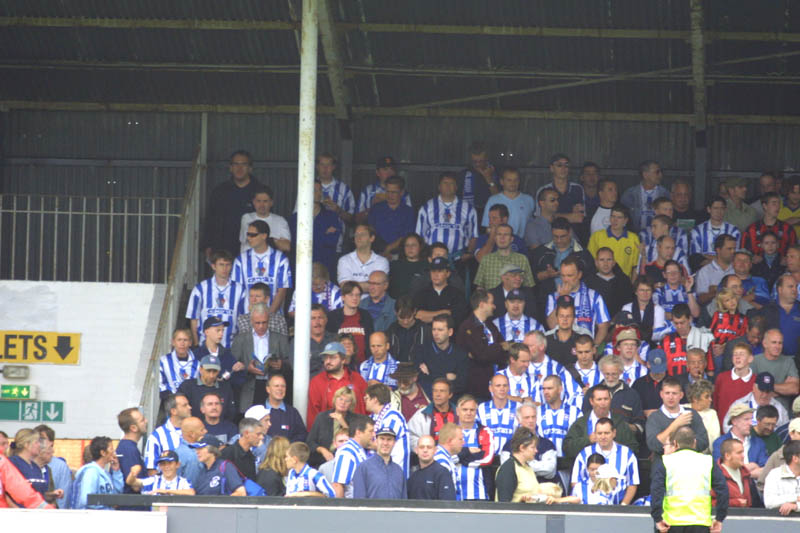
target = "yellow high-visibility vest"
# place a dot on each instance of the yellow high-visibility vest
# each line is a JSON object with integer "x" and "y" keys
{"x": 688, "y": 488}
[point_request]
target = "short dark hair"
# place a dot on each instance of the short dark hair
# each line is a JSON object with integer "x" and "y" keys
{"x": 264, "y": 189}
{"x": 645, "y": 165}
{"x": 125, "y": 419}
{"x": 435, "y": 245}
{"x": 422, "y": 245}
{"x": 245, "y": 153}
{"x": 727, "y": 447}
{"x": 669, "y": 262}
{"x": 47, "y": 430}
{"x": 680, "y": 181}
{"x": 540, "y": 196}
{"x": 565, "y": 303}
{"x": 210, "y": 393}
{"x": 444, "y": 381}
{"x": 404, "y": 306}
{"x": 584, "y": 339}
{"x": 261, "y": 286}
{"x": 319, "y": 307}
{"x": 574, "y": 261}
{"x": 603, "y": 182}
{"x": 642, "y": 280}
{"x": 767, "y": 196}
{"x": 359, "y": 423}
{"x": 445, "y": 175}
{"x": 396, "y": 180}
{"x": 658, "y": 202}
{"x": 478, "y": 296}
{"x": 595, "y": 459}
{"x": 98, "y": 446}
{"x": 557, "y": 157}
{"x": 681, "y": 310}
{"x": 599, "y": 388}
{"x": 622, "y": 209}
{"x": 261, "y": 226}
{"x": 349, "y": 286}
{"x": 380, "y": 392}
{"x": 369, "y": 229}
{"x": 589, "y": 164}
{"x": 560, "y": 223}
{"x": 216, "y": 255}
{"x": 605, "y": 420}
{"x": 327, "y": 155}
{"x": 501, "y": 209}
{"x": 720, "y": 241}
{"x": 766, "y": 411}
{"x": 477, "y": 148}
{"x": 171, "y": 402}
{"x": 715, "y": 199}
{"x": 791, "y": 449}
{"x": 522, "y": 437}
{"x": 446, "y": 318}
{"x": 769, "y": 234}
{"x": 605, "y": 249}
{"x": 670, "y": 381}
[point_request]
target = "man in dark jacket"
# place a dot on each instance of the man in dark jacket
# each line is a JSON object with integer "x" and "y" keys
{"x": 407, "y": 334}
{"x": 432, "y": 481}
{"x": 610, "y": 282}
{"x": 441, "y": 358}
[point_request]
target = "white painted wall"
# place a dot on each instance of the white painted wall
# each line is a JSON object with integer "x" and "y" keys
{"x": 117, "y": 323}
{"x": 84, "y": 520}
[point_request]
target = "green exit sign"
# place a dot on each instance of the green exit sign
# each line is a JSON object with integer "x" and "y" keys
{"x": 18, "y": 392}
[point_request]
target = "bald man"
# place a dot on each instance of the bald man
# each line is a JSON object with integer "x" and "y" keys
{"x": 377, "y": 302}
{"x": 379, "y": 367}
{"x": 192, "y": 430}
{"x": 432, "y": 481}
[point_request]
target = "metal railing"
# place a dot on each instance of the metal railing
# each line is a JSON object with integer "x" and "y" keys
{"x": 184, "y": 271}
{"x": 80, "y": 238}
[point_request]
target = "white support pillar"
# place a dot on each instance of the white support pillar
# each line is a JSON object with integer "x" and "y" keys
{"x": 305, "y": 202}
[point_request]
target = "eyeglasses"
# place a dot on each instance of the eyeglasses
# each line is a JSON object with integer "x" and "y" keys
{"x": 255, "y": 234}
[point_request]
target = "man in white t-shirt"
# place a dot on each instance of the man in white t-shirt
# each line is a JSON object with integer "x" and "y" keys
{"x": 278, "y": 227}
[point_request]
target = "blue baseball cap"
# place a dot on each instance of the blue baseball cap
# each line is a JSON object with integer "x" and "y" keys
{"x": 208, "y": 440}
{"x": 212, "y": 321}
{"x": 168, "y": 457}
{"x": 334, "y": 348}
{"x": 210, "y": 362}
{"x": 657, "y": 361}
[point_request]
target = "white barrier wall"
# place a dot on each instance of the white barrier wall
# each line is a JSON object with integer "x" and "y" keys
{"x": 117, "y": 323}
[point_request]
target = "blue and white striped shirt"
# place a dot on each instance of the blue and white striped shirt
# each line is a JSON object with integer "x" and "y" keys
{"x": 619, "y": 456}
{"x": 588, "y": 314}
{"x": 370, "y": 370}
{"x": 553, "y": 424}
{"x": 308, "y": 480}
{"x": 590, "y": 378}
{"x": 348, "y": 457}
{"x": 149, "y": 484}
{"x": 678, "y": 255}
{"x": 520, "y": 386}
{"x": 341, "y": 195}
{"x": 679, "y": 235}
{"x": 393, "y": 419}
{"x": 444, "y": 458}
{"x": 331, "y": 298}
{"x": 502, "y": 422}
{"x": 367, "y": 196}
{"x": 633, "y": 372}
{"x": 515, "y": 330}
{"x": 163, "y": 438}
{"x": 470, "y": 475}
{"x": 703, "y": 236}
{"x": 549, "y": 367}
{"x": 667, "y": 297}
{"x": 271, "y": 267}
{"x": 209, "y": 299}
{"x": 174, "y": 371}
{"x": 453, "y": 223}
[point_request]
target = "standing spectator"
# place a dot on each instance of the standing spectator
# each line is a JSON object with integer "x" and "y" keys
{"x": 177, "y": 366}
{"x": 352, "y": 319}
{"x": 785, "y": 313}
{"x": 520, "y": 205}
{"x": 489, "y": 271}
{"x": 662, "y": 423}
{"x": 609, "y": 281}
{"x": 699, "y": 395}
{"x": 363, "y": 261}
{"x": 218, "y": 296}
{"x": 227, "y": 203}
{"x": 196, "y": 389}
{"x": 751, "y": 237}
{"x": 448, "y": 219}
{"x": 134, "y": 426}
{"x": 263, "y": 202}
{"x": 519, "y": 386}
{"x": 589, "y": 178}
{"x": 378, "y": 302}
{"x": 703, "y": 240}
{"x": 323, "y": 386}
{"x": 328, "y": 423}
{"x": 328, "y": 229}
{"x": 167, "y": 436}
{"x": 625, "y": 244}
{"x": 480, "y": 180}
{"x": 677, "y": 289}
{"x": 561, "y": 339}
{"x": 352, "y": 454}
{"x": 640, "y": 198}
{"x": 686, "y": 337}
{"x": 499, "y": 413}
{"x": 740, "y": 416}
{"x": 377, "y": 400}
{"x": 584, "y": 371}
{"x": 755, "y": 290}
{"x": 378, "y": 192}
{"x": 538, "y": 230}
{"x": 769, "y": 265}
{"x": 485, "y": 243}
{"x": 478, "y": 451}
{"x": 430, "y": 419}
{"x": 781, "y": 367}
{"x": 323, "y": 291}
{"x": 709, "y": 277}
{"x": 731, "y": 385}
{"x": 647, "y": 315}
{"x": 381, "y": 365}
{"x": 515, "y": 323}
{"x": 554, "y": 416}
{"x": 336, "y": 195}
{"x": 442, "y": 358}
{"x": 590, "y": 308}
{"x": 431, "y": 481}
{"x": 790, "y": 212}
{"x": 232, "y": 372}
{"x": 571, "y": 199}
{"x": 608, "y": 194}
{"x": 511, "y": 280}
{"x": 304, "y": 481}
{"x": 440, "y": 297}
{"x": 217, "y": 476}
{"x": 94, "y": 478}
{"x": 211, "y": 410}
{"x": 739, "y": 213}
{"x": 56, "y": 467}
{"x": 781, "y": 490}
{"x": 407, "y": 335}
{"x": 409, "y": 267}
{"x": 392, "y": 219}
{"x": 409, "y": 396}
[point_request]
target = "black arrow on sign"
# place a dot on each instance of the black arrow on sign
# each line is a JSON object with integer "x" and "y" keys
{"x": 63, "y": 347}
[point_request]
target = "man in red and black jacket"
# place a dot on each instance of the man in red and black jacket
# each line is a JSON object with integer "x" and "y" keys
{"x": 751, "y": 237}
{"x": 684, "y": 338}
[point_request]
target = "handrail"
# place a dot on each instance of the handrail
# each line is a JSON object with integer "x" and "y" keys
{"x": 183, "y": 270}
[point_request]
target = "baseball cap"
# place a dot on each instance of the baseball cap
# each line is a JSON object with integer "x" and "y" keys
{"x": 565, "y": 300}
{"x": 207, "y": 440}
{"x": 386, "y": 161}
{"x": 624, "y": 318}
{"x": 440, "y": 263}
{"x": 212, "y": 321}
{"x": 509, "y": 269}
{"x": 257, "y": 411}
{"x": 738, "y": 409}
{"x": 334, "y": 348}
{"x": 656, "y": 360}
{"x": 169, "y": 457}
{"x": 796, "y": 405}
{"x": 515, "y": 294}
{"x": 628, "y": 334}
{"x": 386, "y": 431}
{"x": 794, "y": 425}
{"x": 765, "y": 382}
{"x": 210, "y": 362}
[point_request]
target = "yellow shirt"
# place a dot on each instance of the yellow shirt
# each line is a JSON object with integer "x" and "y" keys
{"x": 785, "y": 213}
{"x": 626, "y": 248}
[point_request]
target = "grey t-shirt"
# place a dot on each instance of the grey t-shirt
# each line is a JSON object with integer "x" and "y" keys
{"x": 781, "y": 368}
{"x": 538, "y": 231}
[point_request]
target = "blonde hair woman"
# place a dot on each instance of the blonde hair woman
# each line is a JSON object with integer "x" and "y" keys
{"x": 328, "y": 423}
{"x": 272, "y": 472}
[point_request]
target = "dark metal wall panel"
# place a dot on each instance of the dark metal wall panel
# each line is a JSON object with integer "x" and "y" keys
{"x": 755, "y": 147}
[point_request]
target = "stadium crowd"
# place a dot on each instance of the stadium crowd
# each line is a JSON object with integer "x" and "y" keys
{"x": 490, "y": 345}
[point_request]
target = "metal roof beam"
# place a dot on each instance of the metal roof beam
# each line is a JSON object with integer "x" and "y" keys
{"x": 333, "y": 57}
{"x": 442, "y": 29}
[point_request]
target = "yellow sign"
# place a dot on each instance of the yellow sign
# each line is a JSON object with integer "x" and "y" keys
{"x": 31, "y": 347}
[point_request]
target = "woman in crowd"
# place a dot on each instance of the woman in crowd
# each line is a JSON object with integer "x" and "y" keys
{"x": 328, "y": 423}
{"x": 323, "y": 290}
{"x": 515, "y": 480}
{"x": 676, "y": 290}
{"x": 352, "y": 319}
{"x": 409, "y": 266}
{"x": 699, "y": 396}
{"x": 26, "y": 446}
{"x": 273, "y": 471}
{"x": 646, "y": 313}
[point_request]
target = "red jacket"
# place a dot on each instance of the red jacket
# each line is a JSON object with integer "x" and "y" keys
{"x": 13, "y": 484}
{"x": 734, "y": 493}
{"x": 322, "y": 388}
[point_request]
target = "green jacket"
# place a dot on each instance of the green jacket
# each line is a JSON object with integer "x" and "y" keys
{"x": 577, "y": 439}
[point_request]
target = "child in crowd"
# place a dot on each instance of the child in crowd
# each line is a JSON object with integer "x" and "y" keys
{"x": 166, "y": 482}
{"x": 726, "y": 324}
{"x": 302, "y": 479}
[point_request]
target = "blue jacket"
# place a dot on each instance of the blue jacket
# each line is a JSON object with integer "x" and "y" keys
{"x": 757, "y": 453}
{"x": 633, "y": 199}
{"x": 91, "y": 479}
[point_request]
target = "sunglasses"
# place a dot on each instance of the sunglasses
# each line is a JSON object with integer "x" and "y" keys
{"x": 249, "y": 234}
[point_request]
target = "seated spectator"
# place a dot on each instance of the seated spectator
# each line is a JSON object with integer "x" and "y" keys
{"x": 168, "y": 435}
{"x": 783, "y": 431}
{"x": 442, "y": 358}
{"x": 167, "y": 482}
{"x": 601, "y": 486}
{"x": 740, "y": 416}
{"x": 285, "y": 419}
{"x": 608, "y": 196}
{"x": 709, "y": 277}
{"x": 407, "y": 335}
{"x": 320, "y": 336}
{"x": 350, "y": 318}
{"x": 781, "y": 367}
{"x": 339, "y": 439}
{"x": 742, "y": 491}
{"x": 571, "y": 199}
{"x": 755, "y": 289}
{"x": 377, "y": 192}
{"x": 648, "y": 315}
{"x": 230, "y": 372}
{"x": 766, "y": 422}
{"x": 664, "y": 242}
{"x": 664, "y": 210}
{"x": 627, "y": 346}
{"x": 732, "y": 384}
{"x": 377, "y": 302}
{"x": 279, "y": 228}
{"x": 379, "y": 477}
{"x": 431, "y": 481}
{"x": 323, "y": 291}
{"x": 703, "y": 239}
{"x": 739, "y": 213}
{"x": 699, "y": 395}
{"x": 380, "y": 366}
{"x": 100, "y": 476}
{"x": 196, "y": 389}
{"x": 492, "y": 265}
{"x": 623, "y": 243}
{"x": 435, "y": 250}
{"x": 304, "y": 481}
{"x": 785, "y": 312}
{"x": 336, "y": 196}
{"x": 323, "y": 386}
{"x": 361, "y": 262}
{"x": 516, "y": 480}
{"x": 677, "y": 289}
{"x": 514, "y": 324}
{"x": 328, "y": 423}
{"x": 392, "y": 218}
{"x": 409, "y": 266}
{"x": 15, "y": 486}
{"x": 352, "y": 454}
{"x": 27, "y": 447}
{"x": 511, "y": 278}
{"x": 762, "y": 395}
{"x": 448, "y": 219}
{"x": 776, "y": 460}
{"x": 177, "y": 366}
{"x": 451, "y": 441}
{"x": 328, "y": 228}
{"x": 726, "y": 324}
{"x": 226, "y": 301}
{"x": 261, "y": 414}
{"x": 685, "y": 216}
{"x": 562, "y": 338}
{"x": 273, "y": 470}
{"x": 754, "y": 338}
{"x": 485, "y": 243}
{"x": 585, "y": 371}
{"x": 663, "y": 422}
{"x": 590, "y": 308}
{"x": 790, "y": 212}
{"x": 211, "y": 410}
{"x": 409, "y": 397}
{"x": 625, "y": 401}
{"x": 650, "y": 385}
{"x": 478, "y": 451}
{"x": 438, "y": 296}
{"x": 520, "y": 205}
{"x": 767, "y": 183}
{"x": 686, "y": 337}
{"x": 609, "y": 281}
{"x": 520, "y": 386}
{"x": 542, "y": 366}
{"x": 769, "y": 265}
{"x": 430, "y": 419}
{"x": 538, "y": 230}
{"x": 258, "y": 294}
{"x": 781, "y": 490}
{"x": 544, "y": 463}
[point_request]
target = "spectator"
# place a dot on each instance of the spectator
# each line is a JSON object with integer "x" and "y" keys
{"x": 762, "y": 395}
{"x": 218, "y": 477}
{"x": 218, "y": 296}
{"x": 493, "y": 264}
{"x": 783, "y": 431}
{"x": 320, "y": 336}
{"x": 134, "y": 426}
{"x": 448, "y": 219}
{"x": 478, "y": 451}
{"x": 439, "y": 297}
{"x": 4, "y": 442}
{"x": 258, "y": 294}
{"x": 58, "y": 471}
{"x": 776, "y": 460}
{"x": 485, "y": 243}
{"x": 584, "y": 371}
{"x": 323, "y": 291}
{"x": 538, "y": 230}
{"x": 755, "y": 289}
{"x": 554, "y": 415}
{"x": 232, "y": 371}
{"x": 196, "y": 389}
{"x": 442, "y": 358}
{"x": 336, "y": 195}
{"x": 686, "y": 337}
{"x": 609, "y": 196}
{"x": 377, "y": 302}
{"x": 647, "y": 315}
{"x": 515, "y": 324}
{"x": 285, "y": 419}
{"x": 262, "y": 203}
{"x": 96, "y": 477}
{"x": 392, "y": 218}
{"x": 699, "y": 396}
{"x": 781, "y": 367}
{"x": 589, "y": 178}
{"x": 542, "y": 366}
{"x": 767, "y": 183}
{"x": 681, "y": 195}
{"x": 408, "y": 267}
{"x": 709, "y": 277}
{"x": 14, "y": 486}
{"x": 735, "y": 383}
{"x": 754, "y": 338}
{"x": 192, "y": 431}
{"x": 649, "y": 386}
{"x": 561, "y": 339}
{"x": 339, "y": 439}
{"x": 323, "y": 386}
{"x": 430, "y": 419}
{"x": 407, "y": 335}
{"x": 766, "y": 422}
{"x": 499, "y": 413}
{"x": 480, "y": 180}
{"x": 519, "y": 204}
{"x": 662, "y": 423}
{"x": 609, "y": 281}
{"x": 227, "y": 203}
{"x": 381, "y": 365}
{"x": 662, "y": 207}
{"x": 639, "y": 198}
{"x": 211, "y": 409}
{"x": 704, "y": 237}
{"x": 409, "y": 397}
{"x": 431, "y": 481}
{"x": 677, "y": 289}
{"x": 726, "y": 324}
{"x": 352, "y": 319}
{"x": 273, "y": 470}
{"x": 328, "y": 423}
{"x": 769, "y": 265}
{"x": 251, "y": 434}
{"x": 781, "y": 490}
{"x": 519, "y": 385}
{"x": 627, "y": 346}
{"x": 304, "y": 481}
{"x": 739, "y": 213}
{"x": 601, "y": 486}
{"x": 511, "y": 278}
{"x": 623, "y": 243}
{"x": 625, "y": 401}
{"x": 769, "y": 223}
{"x": 351, "y": 455}
{"x": 516, "y": 479}
{"x": 177, "y": 366}
{"x": 379, "y": 477}
{"x": 363, "y": 261}
{"x": 740, "y": 416}
{"x": 479, "y": 337}
{"x": 378, "y": 192}
{"x": 451, "y": 443}
{"x": 328, "y": 228}
{"x": 786, "y": 312}
{"x": 168, "y": 435}
{"x": 571, "y": 199}
{"x": 790, "y": 212}
{"x": 28, "y": 446}
{"x": 263, "y": 264}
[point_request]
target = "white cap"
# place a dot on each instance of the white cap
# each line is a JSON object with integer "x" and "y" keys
{"x": 257, "y": 411}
